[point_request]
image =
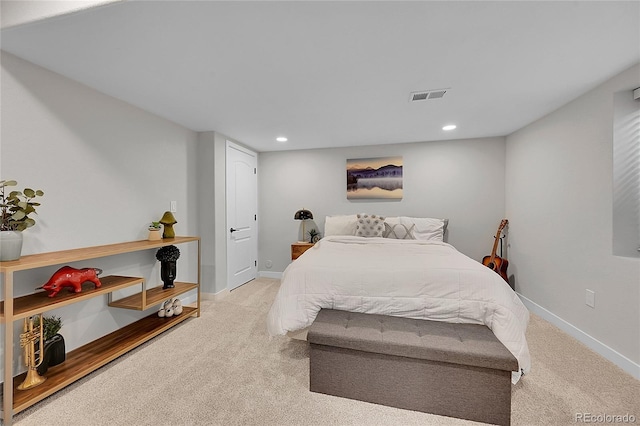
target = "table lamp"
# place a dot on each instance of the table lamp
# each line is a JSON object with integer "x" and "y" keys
{"x": 303, "y": 215}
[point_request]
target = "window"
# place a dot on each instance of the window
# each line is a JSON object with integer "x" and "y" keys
{"x": 626, "y": 174}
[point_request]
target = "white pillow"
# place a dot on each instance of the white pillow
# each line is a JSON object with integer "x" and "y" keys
{"x": 340, "y": 225}
{"x": 427, "y": 228}
{"x": 424, "y": 228}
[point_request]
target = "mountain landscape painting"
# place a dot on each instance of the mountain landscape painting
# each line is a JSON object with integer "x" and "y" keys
{"x": 374, "y": 178}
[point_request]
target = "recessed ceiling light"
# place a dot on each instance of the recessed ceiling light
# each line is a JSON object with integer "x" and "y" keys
{"x": 449, "y": 127}
{"x": 281, "y": 139}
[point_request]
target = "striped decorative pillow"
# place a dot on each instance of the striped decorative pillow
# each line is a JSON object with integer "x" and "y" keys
{"x": 399, "y": 231}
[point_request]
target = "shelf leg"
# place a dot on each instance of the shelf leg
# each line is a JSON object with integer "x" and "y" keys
{"x": 7, "y": 398}
{"x": 199, "y": 283}
{"x": 144, "y": 294}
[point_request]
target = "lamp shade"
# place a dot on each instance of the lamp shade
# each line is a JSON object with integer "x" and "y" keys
{"x": 303, "y": 215}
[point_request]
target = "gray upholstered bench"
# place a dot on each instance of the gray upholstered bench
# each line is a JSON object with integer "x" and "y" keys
{"x": 456, "y": 370}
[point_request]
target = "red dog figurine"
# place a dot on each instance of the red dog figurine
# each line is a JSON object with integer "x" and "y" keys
{"x": 71, "y": 277}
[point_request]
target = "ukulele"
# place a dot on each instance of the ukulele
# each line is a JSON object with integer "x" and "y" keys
{"x": 498, "y": 264}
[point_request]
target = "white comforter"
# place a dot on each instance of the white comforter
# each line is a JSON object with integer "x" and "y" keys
{"x": 407, "y": 278}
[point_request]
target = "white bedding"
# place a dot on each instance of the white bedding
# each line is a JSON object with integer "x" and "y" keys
{"x": 407, "y": 278}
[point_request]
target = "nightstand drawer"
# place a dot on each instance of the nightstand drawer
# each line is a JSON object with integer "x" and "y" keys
{"x": 298, "y": 248}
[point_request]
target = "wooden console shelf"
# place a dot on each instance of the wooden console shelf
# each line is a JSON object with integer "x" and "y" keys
{"x": 93, "y": 355}
{"x": 58, "y": 257}
{"x": 40, "y": 302}
{"x": 151, "y": 297}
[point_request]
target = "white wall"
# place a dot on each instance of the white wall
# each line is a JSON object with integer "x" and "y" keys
{"x": 107, "y": 170}
{"x": 559, "y": 204}
{"x": 462, "y": 180}
{"x": 212, "y": 210}
{"x": 220, "y": 214}
{"x": 206, "y": 207}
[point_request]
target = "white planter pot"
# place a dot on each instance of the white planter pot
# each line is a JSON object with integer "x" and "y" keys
{"x": 154, "y": 235}
{"x": 10, "y": 245}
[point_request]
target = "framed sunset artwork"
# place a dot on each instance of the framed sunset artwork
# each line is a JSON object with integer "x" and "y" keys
{"x": 374, "y": 178}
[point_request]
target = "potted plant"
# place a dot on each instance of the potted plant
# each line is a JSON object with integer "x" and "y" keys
{"x": 54, "y": 347}
{"x": 314, "y": 235}
{"x": 15, "y": 208}
{"x": 168, "y": 255}
{"x": 154, "y": 231}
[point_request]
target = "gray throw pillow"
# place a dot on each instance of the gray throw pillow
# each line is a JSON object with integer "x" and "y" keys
{"x": 399, "y": 231}
{"x": 370, "y": 225}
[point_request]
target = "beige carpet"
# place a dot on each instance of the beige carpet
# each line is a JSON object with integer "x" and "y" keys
{"x": 224, "y": 369}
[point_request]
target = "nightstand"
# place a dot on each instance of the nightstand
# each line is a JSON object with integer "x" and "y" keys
{"x": 298, "y": 248}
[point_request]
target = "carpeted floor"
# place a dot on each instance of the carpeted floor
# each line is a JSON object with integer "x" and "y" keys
{"x": 224, "y": 369}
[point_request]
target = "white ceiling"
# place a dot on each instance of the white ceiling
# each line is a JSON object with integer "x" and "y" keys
{"x": 329, "y": 74}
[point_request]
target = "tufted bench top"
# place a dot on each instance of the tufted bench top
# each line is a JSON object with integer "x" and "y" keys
{"x": 465, "y": 344}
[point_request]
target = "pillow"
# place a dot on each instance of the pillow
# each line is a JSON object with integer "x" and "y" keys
{"x": 399, "y": 231}
{"x": 370, "y": 225}
{"x": 428, "y": 228}
{"x": 421, "y": 228}
{"x": 340, "y": 225}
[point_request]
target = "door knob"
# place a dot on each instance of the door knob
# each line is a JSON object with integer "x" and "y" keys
{"x": 233, "y": 230}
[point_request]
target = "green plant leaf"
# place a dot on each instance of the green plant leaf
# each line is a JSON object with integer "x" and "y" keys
{"x": 19, "y": 215}
{"x": 51, "y": 326}
{"x": 16, "y": 207}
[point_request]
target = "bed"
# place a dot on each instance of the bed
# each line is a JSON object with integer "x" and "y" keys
{"x": 413, "y": 278}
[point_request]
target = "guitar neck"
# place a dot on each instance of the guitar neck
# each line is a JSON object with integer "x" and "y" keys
{"x": 495, "y": 246}
{"x": 503, "y": 223}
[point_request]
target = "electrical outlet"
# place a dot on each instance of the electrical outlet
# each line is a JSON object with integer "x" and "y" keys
{"x": 173, "y": 207}
{"x": 590, "y": 299}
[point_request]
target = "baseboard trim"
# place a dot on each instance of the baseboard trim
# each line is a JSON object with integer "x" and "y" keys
{"x": 270, "y": 274}
{"x": 215, "y": 296}
{"x": 594, "y": 344}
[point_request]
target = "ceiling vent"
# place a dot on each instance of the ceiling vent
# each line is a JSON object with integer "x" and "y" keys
{"x": 427, "y": 94}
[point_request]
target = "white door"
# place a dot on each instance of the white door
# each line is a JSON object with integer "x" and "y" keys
{"x": 242, "y": 210}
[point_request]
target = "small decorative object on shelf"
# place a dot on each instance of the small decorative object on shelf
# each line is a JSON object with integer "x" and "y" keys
{"x": 30, "y": 334}
{"x": 154, "y": 231}
{"x": 172, "y": 307}
{"x": 54, "y": 347}
{"x": 314, "y": 235}
{"x": 168, "y": 220}
{"x": 71, "y": 277}
{"x": 168, "y": 255}
{"x": 15, "y": 209}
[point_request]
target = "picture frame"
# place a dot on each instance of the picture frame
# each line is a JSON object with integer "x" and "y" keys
{"x": 375, "y": 178}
